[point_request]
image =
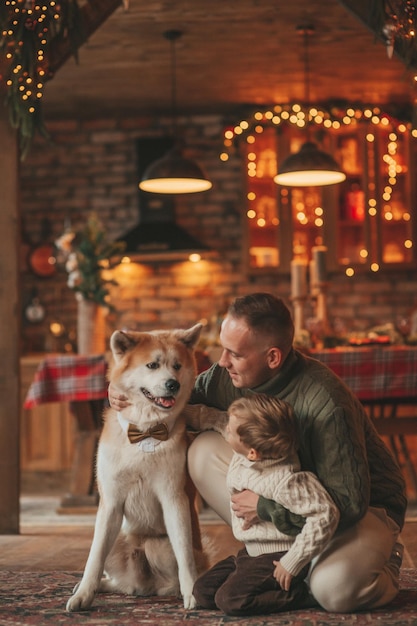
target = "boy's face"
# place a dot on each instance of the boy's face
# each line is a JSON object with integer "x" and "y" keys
{"x": 233, "y": 438}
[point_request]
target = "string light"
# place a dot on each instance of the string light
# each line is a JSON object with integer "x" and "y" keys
{"x": 27, "y": 29}
{"x": 334, "y": 119}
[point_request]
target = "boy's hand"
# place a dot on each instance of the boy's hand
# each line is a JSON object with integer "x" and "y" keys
{"x": 282, "y": 577}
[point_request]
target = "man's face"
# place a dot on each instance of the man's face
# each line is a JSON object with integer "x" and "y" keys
{"x": 245, "y": 354}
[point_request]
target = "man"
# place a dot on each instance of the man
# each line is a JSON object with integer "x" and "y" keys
{"x": 360, "y": 567}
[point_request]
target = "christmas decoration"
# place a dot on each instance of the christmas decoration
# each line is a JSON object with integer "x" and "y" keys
{"x": 27, "y": 29}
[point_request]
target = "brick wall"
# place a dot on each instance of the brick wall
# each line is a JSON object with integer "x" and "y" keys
{"x": 91, "y": 166}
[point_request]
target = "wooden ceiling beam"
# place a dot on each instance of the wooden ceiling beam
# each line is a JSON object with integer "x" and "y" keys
{"x": 93, "y": 14}
{"x": 372, "y": 16}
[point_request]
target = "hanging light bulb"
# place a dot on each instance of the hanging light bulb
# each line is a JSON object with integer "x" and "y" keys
{"x": 309, "y": 167}
{"x": 173, "y": 173}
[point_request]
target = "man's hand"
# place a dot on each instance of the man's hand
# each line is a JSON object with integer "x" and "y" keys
{"x": 244, "y": 504}
{"x": 282, "y": 577}
{"x": 117, "y": 400}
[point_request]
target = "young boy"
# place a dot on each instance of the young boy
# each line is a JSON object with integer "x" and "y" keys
{"x": 267, "y": 576}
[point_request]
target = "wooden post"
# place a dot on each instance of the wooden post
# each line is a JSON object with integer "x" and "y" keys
{"x": 9, "y": 330}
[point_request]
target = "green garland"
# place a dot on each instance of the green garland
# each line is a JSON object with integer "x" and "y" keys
{"x": 27, "y": 30}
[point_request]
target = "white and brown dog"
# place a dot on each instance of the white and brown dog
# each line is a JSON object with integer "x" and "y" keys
{"x": 141, "y": 474}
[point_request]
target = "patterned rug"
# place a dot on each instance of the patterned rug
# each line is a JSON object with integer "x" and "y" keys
{"x": 30, "y": 598}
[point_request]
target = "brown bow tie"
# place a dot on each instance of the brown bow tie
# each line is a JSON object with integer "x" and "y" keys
{"x": 159, "y": 431}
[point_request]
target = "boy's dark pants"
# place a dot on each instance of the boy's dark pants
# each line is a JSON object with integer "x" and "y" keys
{"x": 244, "y": 585}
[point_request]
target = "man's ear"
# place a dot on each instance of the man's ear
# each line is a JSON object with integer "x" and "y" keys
{"x": 274, "y": 358}
{"x": 253, "y": 455}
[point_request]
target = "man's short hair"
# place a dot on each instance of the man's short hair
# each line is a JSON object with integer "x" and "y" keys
{"x": 267, "y": 315}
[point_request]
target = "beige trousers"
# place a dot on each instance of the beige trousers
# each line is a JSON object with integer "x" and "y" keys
{"x": 353, "y": 573}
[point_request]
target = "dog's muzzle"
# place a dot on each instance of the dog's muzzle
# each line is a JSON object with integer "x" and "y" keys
{"x": 164, "y": 402}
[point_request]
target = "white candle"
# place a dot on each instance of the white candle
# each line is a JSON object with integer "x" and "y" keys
{"x": 313, "y": 277}
{"x": 318, "y": 254}
{"x": 298, "y": 278}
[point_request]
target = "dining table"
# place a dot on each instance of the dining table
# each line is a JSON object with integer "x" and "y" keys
{"x": 383, "y": 377}
{"x": 80, "y": 380}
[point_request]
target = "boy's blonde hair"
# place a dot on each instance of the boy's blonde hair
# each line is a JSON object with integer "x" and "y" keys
{"x": 267, "y": 425}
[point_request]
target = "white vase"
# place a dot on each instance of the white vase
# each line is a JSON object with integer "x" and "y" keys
{"x": 91, "y": 328}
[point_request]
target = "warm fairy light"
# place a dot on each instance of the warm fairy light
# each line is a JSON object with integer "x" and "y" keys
{"x": 194, "y": 257}
{"x": 39, "y": 23}
{"x": 333, "y": 120}
{"x": 251, "y": 195}
{"x": 224, "y": 156}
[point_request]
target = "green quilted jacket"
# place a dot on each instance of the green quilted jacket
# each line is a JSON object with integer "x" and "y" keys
{"x": 338, "y": 441}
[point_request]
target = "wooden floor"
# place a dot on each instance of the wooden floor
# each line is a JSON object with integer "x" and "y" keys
{"x": 64, "y": 543}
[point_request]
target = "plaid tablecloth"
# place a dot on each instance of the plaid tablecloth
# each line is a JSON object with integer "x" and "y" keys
{"x": 375, "y": 373}
{"x": 372, "y": 373}
{"x": 68, "y": 378}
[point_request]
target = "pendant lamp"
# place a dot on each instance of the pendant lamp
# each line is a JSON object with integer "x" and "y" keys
{"x": 173, "y": 173}
{"x": 309, "y": 167}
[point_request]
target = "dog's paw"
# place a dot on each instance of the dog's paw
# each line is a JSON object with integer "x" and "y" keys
{"x": 189, "y": 602}
{"x": 79, "y": 602}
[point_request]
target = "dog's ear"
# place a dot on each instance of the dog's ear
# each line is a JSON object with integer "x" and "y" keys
{"x": 191, "y": 336}
{"x": 122, "y": 341}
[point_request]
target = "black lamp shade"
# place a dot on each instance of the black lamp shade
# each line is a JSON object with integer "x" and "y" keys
{"x": 309, "y": 167}
{"x": 174, "y": 174}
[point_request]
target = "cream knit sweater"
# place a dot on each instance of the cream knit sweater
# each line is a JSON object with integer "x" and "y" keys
{"x": 300, "y": 492}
